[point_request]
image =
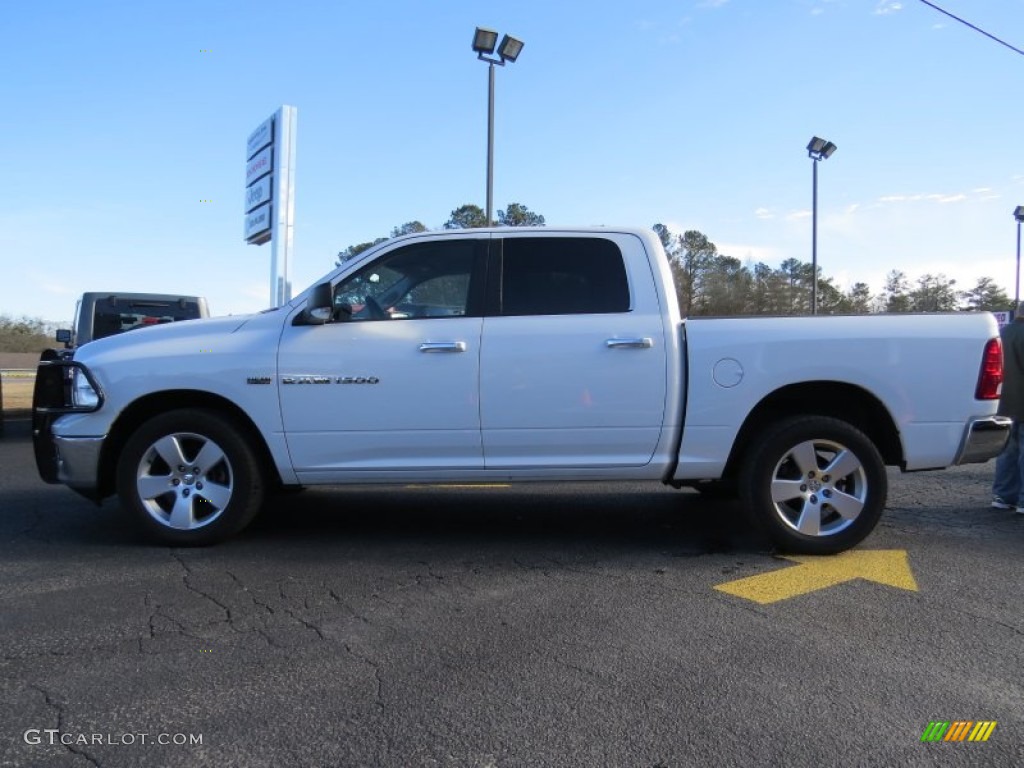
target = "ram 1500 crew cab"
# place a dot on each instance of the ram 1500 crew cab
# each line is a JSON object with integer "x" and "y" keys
{"x": 518, "y": 355}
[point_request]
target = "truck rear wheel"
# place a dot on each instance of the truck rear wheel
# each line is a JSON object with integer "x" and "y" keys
{"x": 816, "y": 485}
{"x": 189, "y": 478}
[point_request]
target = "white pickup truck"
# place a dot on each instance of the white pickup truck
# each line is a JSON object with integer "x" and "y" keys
{"x": 518, "y": 355}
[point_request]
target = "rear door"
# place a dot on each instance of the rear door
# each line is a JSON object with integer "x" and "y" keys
{"x": 573, "y": 358}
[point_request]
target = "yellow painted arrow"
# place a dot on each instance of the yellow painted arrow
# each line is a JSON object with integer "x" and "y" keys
{"x": 885, "y": 566}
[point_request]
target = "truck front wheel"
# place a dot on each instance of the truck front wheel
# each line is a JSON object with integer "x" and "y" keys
{"x": 816, "y": 485}
{"x": 189, "y": 478}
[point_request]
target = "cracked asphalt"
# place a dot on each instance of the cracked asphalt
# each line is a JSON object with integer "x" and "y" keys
{"x": 532, "y": 626}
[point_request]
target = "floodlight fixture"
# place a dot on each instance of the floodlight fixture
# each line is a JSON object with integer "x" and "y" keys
{"x": 1018, "y": 213}
{"x": 484, "y": 41}
{"x": 510, "y": 48}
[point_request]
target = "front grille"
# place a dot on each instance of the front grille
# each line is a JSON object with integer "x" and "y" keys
{"x": 53, "y": 383}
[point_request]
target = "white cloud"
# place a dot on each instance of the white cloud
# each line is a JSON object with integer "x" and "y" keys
{"x": 818, "y": 6}
{"x": 745, "y": 252}
{"x": 885, "y": 7}
{"x": 764, "y": 214}
{"x": 797, "y": 215}
{"x": 967, "y": 272}
{"x": 947, "y": 198}
{"x": 711, "y": 3}
{"x": 935, "y": 197}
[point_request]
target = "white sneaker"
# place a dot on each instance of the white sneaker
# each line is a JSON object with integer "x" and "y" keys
{"x": 998, "y": 503}
{"x": 1020, "y": 510}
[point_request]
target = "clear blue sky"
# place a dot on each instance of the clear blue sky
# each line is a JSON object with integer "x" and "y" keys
{"x": 694, "y": 113}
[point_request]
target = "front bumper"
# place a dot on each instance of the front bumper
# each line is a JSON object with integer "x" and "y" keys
{"x": 73, "y": 461}
{"x": 78, "y": 462}
{"x": 983, "y": 439}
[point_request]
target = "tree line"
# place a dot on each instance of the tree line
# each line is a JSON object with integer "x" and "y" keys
{"x": 711, "y": 283}
{"x": 25, "y": 334}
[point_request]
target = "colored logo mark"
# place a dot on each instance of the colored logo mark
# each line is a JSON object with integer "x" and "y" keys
{"x": 958, "y": 730}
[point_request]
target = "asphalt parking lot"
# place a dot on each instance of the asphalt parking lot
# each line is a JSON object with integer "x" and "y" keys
{"x": 528, "y": 626}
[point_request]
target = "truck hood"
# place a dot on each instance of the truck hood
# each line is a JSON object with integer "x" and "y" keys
{"x": 186, "y": 336}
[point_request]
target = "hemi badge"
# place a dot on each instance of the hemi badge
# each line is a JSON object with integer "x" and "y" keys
{"x": 258, "y": 380}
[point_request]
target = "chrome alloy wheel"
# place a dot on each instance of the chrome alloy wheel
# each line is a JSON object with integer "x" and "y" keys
{"x": 819, "y": 488}
{"x": 184, "y": 481}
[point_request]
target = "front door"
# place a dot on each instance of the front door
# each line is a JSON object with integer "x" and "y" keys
{"x": 392, "y": 382}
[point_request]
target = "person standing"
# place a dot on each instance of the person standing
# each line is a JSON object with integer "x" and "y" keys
{"x": 1008, "y": 485}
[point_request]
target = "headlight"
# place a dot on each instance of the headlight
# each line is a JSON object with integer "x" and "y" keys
{"x": 83, "y": 394}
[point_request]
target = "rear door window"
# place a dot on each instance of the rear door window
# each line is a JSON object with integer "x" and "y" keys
{"x": 562, "y": 276}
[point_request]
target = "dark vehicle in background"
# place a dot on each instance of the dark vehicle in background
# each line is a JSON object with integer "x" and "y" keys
{"x": 101, "y": 314}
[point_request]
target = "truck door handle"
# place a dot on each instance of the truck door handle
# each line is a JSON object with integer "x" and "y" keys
{"x": 443, "y": 346}
{"x": 643, "y": 343}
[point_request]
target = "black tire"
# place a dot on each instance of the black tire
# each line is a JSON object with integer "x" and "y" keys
{"x": 159, "y": 487}
{"x": 828, "y": 481}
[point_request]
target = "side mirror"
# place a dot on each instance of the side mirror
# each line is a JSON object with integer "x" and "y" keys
{"x": 320, "y": 305}
{"x": 64, "y": 337}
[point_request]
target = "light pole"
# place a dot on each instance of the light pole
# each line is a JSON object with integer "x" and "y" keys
{"x": 484, "y": 42}
{"x": 817, "y": 149}
{"x": 1018, "y": 214}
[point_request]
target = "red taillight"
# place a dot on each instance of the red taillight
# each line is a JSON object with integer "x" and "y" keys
{"x": 990, "y": 379}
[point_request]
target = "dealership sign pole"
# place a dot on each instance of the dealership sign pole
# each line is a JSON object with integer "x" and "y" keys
{"x": 270, "y": 196}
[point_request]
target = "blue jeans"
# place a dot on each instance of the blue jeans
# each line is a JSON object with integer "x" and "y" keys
{"x": 1010, "y": 469}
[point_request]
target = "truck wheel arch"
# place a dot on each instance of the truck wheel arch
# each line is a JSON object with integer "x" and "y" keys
{"x": 839, "y": 400}
{"x": 153, "y": 404}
